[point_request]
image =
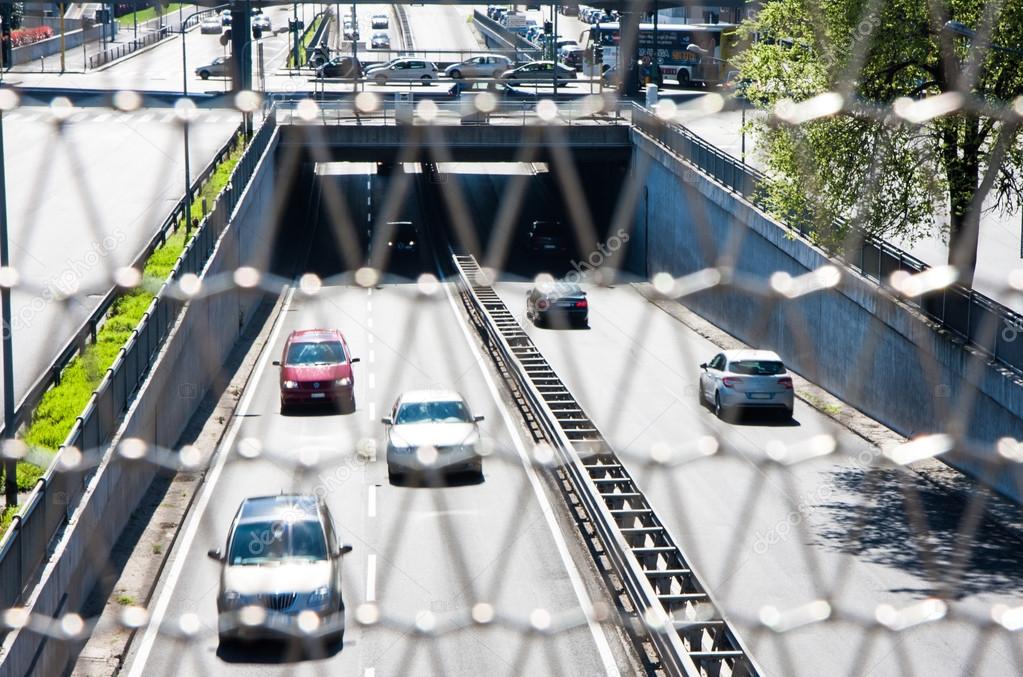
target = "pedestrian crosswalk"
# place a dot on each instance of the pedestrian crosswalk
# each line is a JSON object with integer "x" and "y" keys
{"x": 100, "y": 115}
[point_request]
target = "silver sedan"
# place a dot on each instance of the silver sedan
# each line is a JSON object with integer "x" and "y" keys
{"x": 432, "y": 430}
{"x": 482, "y": 66}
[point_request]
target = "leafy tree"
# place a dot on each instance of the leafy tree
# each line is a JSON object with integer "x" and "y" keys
{"x": 11, "y": 13}
{"x": 895, "y": 157}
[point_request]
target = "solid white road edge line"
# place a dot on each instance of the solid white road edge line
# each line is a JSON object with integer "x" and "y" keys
{"x": 222, "y": 452}
{"x": 603, "y": 647}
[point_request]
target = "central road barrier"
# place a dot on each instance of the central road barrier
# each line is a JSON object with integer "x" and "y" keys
{"x": 682, "y": 621}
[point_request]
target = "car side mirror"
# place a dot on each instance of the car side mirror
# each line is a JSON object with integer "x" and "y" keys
{"x": 387, "y": 420}
{"x": 277, "y": 363}
{"x": 356, "y": 359}
{"x": 344, "y": 550}
{"x": 477, "y": 419}
{"x": 215, "y": 554}
{"x": 703, "y": 366}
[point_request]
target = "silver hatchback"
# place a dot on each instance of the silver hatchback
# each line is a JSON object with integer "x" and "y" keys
{"x": 746, "y": 379}
{"x": 281, "y": 573}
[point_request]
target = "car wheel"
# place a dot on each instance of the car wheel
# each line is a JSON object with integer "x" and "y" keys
{"x": 426, "y": 79}
{"x": 700, "y": 397}
{"x": 456, "y": 74}
{"x": 205, "y": 75}
{"x": 285, "y": 409}
{"x": 393, "y": 476}
{"x": 719, "y": 410}
{"x": 683, "y": 77}
{"x": 380, "y": 79}
{"x": 786, "y": 414}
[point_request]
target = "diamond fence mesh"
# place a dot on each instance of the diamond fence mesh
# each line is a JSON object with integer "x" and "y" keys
{"x": 827, "y": 543}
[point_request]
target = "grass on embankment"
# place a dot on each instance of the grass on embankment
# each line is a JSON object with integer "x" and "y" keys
{"x": 148, "y": 13}
{"x": 307, "y": 38}
{"x": 62, "y": 404}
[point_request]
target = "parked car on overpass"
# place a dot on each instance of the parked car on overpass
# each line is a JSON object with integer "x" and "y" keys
{"x": 482, "y": 66}
{"x": 404, "y": 70}
{"x": 540, "y": 71}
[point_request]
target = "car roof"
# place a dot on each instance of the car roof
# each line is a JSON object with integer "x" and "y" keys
{"x": 437, "y": 395}
{"x": 747, "y": 354}
{"x": 314, "y": 335}
{"x": 281, "y": 506}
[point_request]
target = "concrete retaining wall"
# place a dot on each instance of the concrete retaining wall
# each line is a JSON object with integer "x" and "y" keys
{"x": 870, "y": 350}
{"x": 199, "y": 344}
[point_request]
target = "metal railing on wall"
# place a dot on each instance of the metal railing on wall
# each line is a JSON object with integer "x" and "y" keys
{"x": 48, "y": 507}
{"x": 960, "y": 310}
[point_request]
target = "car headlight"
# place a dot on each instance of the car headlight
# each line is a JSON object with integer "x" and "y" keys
{"x": 232, "y": 598}
{"x": 319, "y": 596}
{"x": 290, "y": 384}
{"x": 342, "y": 382}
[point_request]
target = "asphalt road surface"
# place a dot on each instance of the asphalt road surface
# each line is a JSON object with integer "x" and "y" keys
{"x": 423, "y": 555}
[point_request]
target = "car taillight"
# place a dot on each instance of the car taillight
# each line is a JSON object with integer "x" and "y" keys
{"x": 580, "y": 304}
{"x": 730, "y": 381}
{"x": 785, "y": 382}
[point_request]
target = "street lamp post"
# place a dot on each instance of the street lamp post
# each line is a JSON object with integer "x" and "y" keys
{"x": 184, "y": 93}
{"x": 696, "y": 49}
{"x": 10, "y": 464}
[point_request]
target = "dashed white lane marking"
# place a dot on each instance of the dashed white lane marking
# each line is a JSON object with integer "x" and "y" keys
{"x": 369, "y": 339}
{"x": 370, "y": 672}
{"x": 369, "y": 322}
{"x": 372, "y": 381}
{"x": 371, "y": 501}
{"x": 369, "y": 306}
{"x": 371, "y": 411}
{"x": 369, "y": 217}
{"x": 372, "y": 356}
{"x": 371, "y": 578}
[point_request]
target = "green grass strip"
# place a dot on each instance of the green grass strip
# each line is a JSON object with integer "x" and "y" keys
{"x": 62, "y": 404}
{"x": 151, "y": 13}
{"x": 307, "y": 38}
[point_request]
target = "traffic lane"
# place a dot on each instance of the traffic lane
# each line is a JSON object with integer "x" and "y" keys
{"x": 432, "y": 547}
{"x": 768, "y": 536}
{"x": 442, "y": 27}
{"x": 69, "y": 244}
{"x": 435, "y": 550}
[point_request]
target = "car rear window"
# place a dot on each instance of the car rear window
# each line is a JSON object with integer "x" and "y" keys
{"x": 257, "y": 543}
{"x": 432, "y": 412}
{"x": 322, "y": 352}
{"x": 757, "y": 367}
{"x": 547, "y": 228}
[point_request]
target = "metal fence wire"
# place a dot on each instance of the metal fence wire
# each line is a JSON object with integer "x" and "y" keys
{"x": 624, "y": 521}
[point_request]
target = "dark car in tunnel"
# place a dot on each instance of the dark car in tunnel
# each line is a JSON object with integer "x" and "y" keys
{"x": 560, "y": 304}
{"x": 403, "y": 236}
{"x": 316, "y": 368}
{"x": 547, "y": 237}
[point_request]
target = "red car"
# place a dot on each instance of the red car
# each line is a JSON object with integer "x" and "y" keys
{"x": 316, "y": 368}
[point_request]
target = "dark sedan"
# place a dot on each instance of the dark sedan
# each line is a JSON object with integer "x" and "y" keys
{"x": 560, "y": 304}
{"x": 340, "y": 67}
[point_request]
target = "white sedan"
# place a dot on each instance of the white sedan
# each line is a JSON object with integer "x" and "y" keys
{"x": 404, "y": 70}
{"x": 432, "y": 430}
{"x": 483, "y": 66}
{"x": 746, "y": 379}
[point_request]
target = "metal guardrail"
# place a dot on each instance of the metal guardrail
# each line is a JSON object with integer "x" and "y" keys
{"x": 524, "y": 50}
{"x": 963, "y": 312}
{"x": 683, "y": 622}
{"x": 51, "y": 503}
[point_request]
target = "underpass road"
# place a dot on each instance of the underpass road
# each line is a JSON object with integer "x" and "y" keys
{"x": 761, "y": 535}
{"x": 424, "y": 555}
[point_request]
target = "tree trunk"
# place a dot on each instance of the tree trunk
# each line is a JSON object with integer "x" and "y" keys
{"x": 964, "y": 221}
